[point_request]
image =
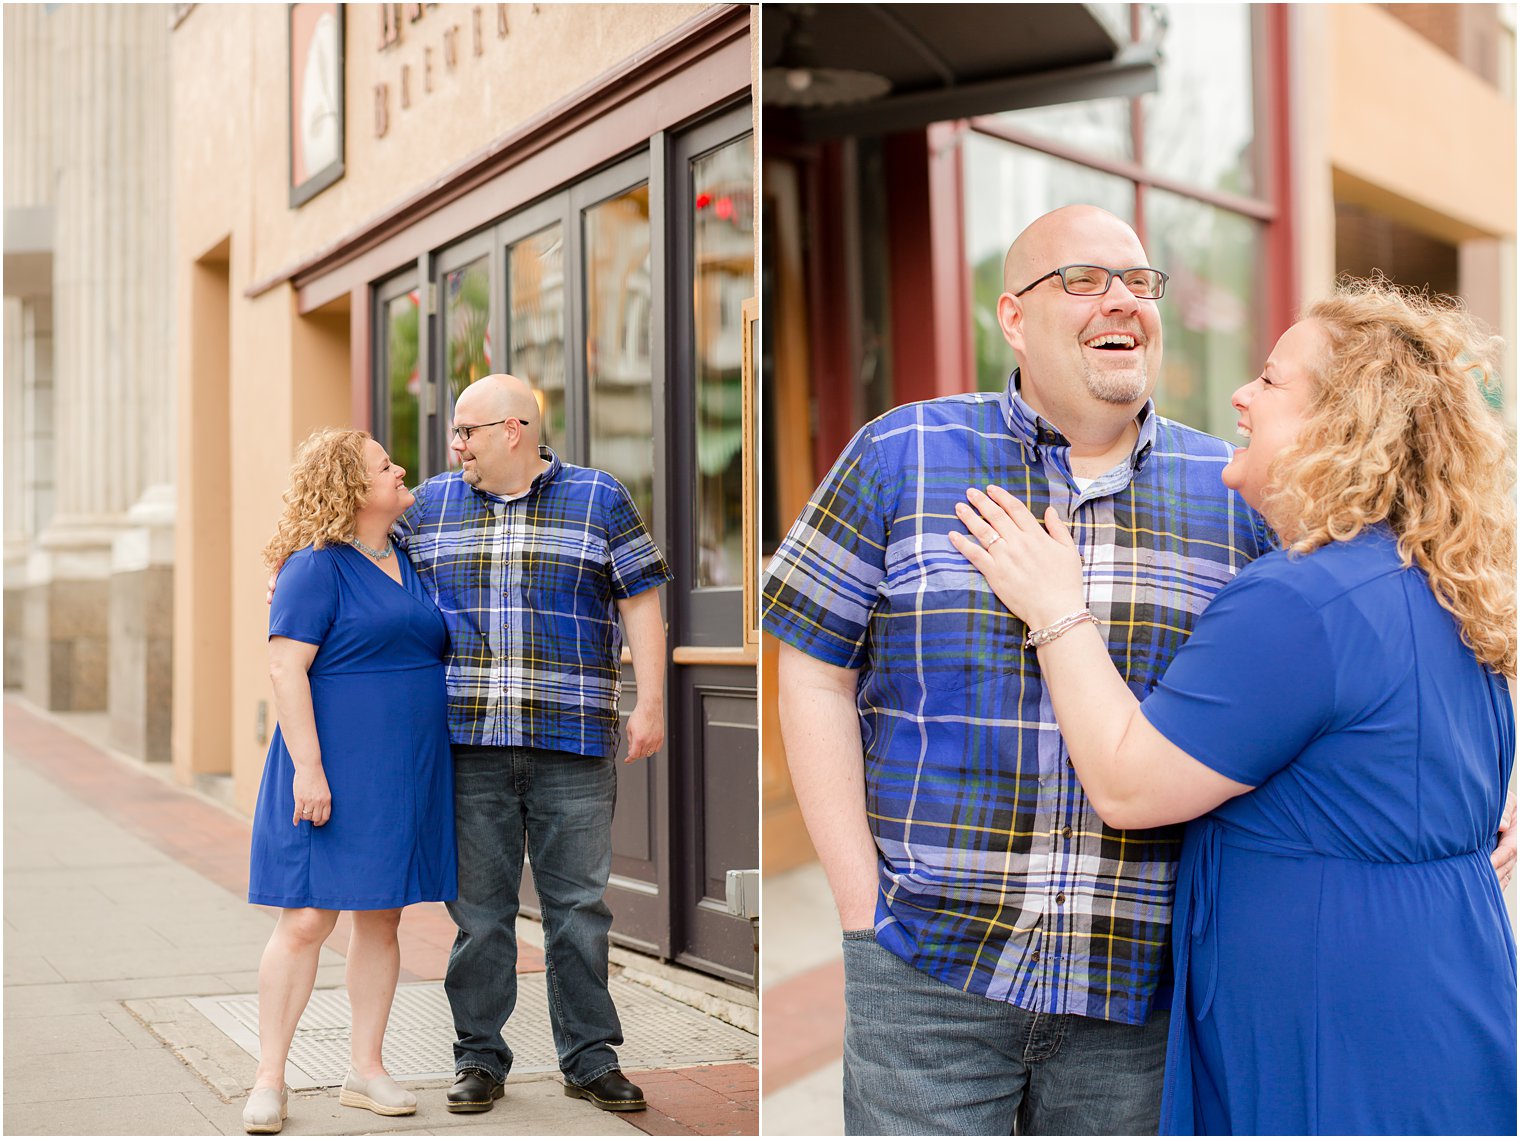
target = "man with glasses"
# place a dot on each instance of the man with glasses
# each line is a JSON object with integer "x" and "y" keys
{"x": 1006, "y": 957}
{"x": 532, "y": 561}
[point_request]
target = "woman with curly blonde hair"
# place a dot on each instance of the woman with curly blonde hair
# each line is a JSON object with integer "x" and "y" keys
{"x": 355, "y": 811}
{"x": 1341, "y": 722}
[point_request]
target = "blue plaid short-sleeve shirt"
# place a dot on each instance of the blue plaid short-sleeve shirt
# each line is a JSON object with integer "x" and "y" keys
{"x": 997, "y": 876}
{"x": 528, "y": 587}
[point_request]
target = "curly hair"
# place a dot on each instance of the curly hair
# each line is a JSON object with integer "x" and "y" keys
{"x": 1398, "y": 432}
{"x": 329, "y": 483}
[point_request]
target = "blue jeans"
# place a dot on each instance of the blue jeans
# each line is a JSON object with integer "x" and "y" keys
{"x": 560, "y": 805}
{"x": 922, "y": 1058}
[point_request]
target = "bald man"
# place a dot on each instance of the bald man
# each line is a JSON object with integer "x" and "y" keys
{"x": 1005, "y": 951}
{"x": 535, "y": 563}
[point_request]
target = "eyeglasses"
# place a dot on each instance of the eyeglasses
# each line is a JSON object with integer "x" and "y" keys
{"x": 1094, "y": 280}
{"x": 463, "y": 432}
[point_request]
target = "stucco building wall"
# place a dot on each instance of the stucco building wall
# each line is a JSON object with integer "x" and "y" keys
{"x": 256, "y": 376}
{"x": 1391, "y": 121}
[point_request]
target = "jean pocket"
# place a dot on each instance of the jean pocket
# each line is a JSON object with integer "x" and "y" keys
{"x": 867, "y": 934}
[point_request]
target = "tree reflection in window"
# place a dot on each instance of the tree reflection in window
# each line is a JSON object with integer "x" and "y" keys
{"x": 467, "y": 300}
{"x": 403, "y": 382}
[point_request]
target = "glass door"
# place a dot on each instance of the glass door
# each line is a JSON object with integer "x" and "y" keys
{"x": 713, "y": 246}
{"x": 710, "y": 246}
{"x": 398, "y": 408}
{"x": 536, "y": 318}
{"x": 463, "y": 276}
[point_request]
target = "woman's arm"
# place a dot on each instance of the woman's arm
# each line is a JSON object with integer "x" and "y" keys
{"x": 289, "y": 662}
{"x": 1131, "y": 773}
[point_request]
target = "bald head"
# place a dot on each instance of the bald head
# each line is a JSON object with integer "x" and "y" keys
{"x": 498, "y": 396}
{"x": 1049, "y": 242}
{"x": 1086, "y": 362}
{"x": 501, "y": 454}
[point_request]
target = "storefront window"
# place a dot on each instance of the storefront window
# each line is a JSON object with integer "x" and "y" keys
{"x": 1007, "y": 187}
{"x": 403, "y": 382}
{"x": 1198, "y": 134}
{"x": 1099, "y": 126}
{"x": 536, "y": 330}
{"x": 724, "y": 275}
{"x": 1209, "y": 313}
{"x": 1200, "y": 123}
{"x": 618, "y": 369}
{"x": 467, "y": 317}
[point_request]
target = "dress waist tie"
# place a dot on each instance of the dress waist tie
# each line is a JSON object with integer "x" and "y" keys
{"x": 1203, "y": 885}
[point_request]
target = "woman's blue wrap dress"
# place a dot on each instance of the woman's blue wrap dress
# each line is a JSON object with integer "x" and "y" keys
{"x": 378, "y": 692}
{"x": 1344, "y": 962}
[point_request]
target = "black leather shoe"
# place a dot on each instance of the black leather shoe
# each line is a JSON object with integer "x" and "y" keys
{"x": 473, "y": 1090}
{"x": 611, "y": 1091}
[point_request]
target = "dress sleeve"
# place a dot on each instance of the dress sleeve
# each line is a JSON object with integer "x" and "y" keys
{"x": 1253, "y": 687}
{"x": 822, "y": 584}
{"x": 305, "y": 597}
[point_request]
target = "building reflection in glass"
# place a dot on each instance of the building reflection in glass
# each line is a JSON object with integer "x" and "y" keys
{"x": 618, "y": 369}
{"x": 723, "y": 253}
{"x": 536, "y": 301}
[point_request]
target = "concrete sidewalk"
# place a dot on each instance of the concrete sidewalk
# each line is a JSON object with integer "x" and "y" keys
{"x": 125, "y": 903}
{"x": 802, "y": 982}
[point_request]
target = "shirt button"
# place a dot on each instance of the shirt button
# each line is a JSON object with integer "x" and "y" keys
{"x": 1069, "y": 763}
{"x": 1065, "y": 832}
{"x": 1035, "y": 956}
{"x": 1060, "y": 898}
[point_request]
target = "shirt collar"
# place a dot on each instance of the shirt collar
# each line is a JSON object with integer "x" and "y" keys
{"x": 540, "y": 480}
{"x": 1034, "y": 433}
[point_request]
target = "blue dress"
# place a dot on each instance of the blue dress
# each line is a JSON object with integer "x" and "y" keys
{"x": 378, "y": 692}
{"x": 1344, "y": 962}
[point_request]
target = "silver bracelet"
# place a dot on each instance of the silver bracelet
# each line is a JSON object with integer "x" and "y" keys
{"x": 1038, "y": 637}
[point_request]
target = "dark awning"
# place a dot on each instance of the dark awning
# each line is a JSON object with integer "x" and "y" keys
{"x": 943, "y": 61}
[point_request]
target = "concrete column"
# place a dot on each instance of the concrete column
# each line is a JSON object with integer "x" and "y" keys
{"x": 142, "y": 573}
{"x": 142, "y": 628}
{"x": 28, "y": 124}
{"x": 29, "y": 121}
{"x": 16, "y": 536}
{"x": 113, "y": 376}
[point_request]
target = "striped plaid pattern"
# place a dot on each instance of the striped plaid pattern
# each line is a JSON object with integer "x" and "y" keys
{"x": 997, "y": 876}
{"x": 529, "y": 588}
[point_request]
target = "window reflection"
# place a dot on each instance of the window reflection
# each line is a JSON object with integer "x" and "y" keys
{"x": 618, "y": 290}
{"x": 1207, "y": 317}
{"x": 1200, "y": 123}
{"x": 536, "y": 331}
{"x": 723, "y": 263}
{"x": 467, "y": 316}
{"x": 1007, "y": 187}
{"x": 1100, "y": 126}
{"x": 403, "y": 382}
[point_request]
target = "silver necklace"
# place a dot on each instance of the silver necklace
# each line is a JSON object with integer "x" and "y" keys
{"x": 378, "y": 555}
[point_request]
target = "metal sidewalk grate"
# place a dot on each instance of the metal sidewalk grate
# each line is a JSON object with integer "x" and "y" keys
{"x": 658, "y": 1032}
